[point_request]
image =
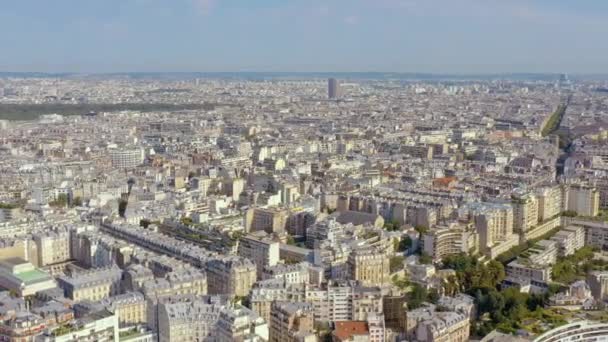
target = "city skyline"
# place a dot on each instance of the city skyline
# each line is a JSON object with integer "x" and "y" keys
{"x": 387, "y": 36}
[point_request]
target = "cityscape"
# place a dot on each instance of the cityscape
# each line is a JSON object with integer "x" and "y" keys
{"x": 304, "y": 206}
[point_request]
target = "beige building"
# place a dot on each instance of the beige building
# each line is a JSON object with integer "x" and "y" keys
{"x": 129, "y": 307}
{"x": 260, "y": 249}
{"x": 53, "y": 247}
{"x": 441, "y": 242}
{"x": 444, "y": 327}
{"x": 93, "y": 285}
{"x": 370, "y": 266}
{"x": 270, "y": 220}
{"x": 525, "y": 211}
{"x": 585, "y": 200}
{"x": 181, "y": 320}
{"x": 291, "y": 322}
{"x": 179, "y": 282}
{"x": 494, "y": 224}
{"x": 231, "y": 276}
{"x": 569, "y": 240}
{"x": 550, "y": 202}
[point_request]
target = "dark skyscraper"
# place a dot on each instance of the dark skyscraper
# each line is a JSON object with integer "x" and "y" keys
{"x": 332, "y": 88}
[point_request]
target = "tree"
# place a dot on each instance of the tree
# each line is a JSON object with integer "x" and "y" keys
{"x": 396, "y": 263}
{"x": 61, "y": 201}
{"x": 401, "y": 282}
{"x": 122, "y": 207}
{"x": 425, "y": 259}
{"x": 77, "y": 201}
{"x": 186, "y": 221}
{"x": 433, "y": 296}
{"x": 494, "y": 273}
{"x": 144, "y": 223}
{"x": 405, "y": 244}
{"x": 421, "y": 229}
{"x": 392, "y": 225}
{"x": 416, "y": 297}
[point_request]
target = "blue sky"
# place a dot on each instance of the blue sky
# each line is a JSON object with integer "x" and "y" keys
{"x": 454, "y": 36}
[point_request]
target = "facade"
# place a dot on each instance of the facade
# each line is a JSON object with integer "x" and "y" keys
{"x": 525, "y": 211}
{"x": 440, "y": 242}
{"x": 291, "y": 321}
{"x": 53, "y": 247}
{"x": 494, "y": 224}
{"x": 270, "y": 220}
{"x": 126, "y": 158}
{"x": 584, "y": 200}
{"x": 445, "y": 326}
{"x": 187, "y": 320}
{"x": 550, "y": 202}
{"x": 93, "y": 285}
{"x": 518, "y": 270}
{"x": 99, "y": 326}
{"x": 569, "y": 240}
{"x": 598, "y": 283}
{"x": 576, "y": 332}
{"x": 231, "y": 276}
{"x": 130, "y": 308}
{"x": 370, "y": 266}
{"x": 260, "y": 249}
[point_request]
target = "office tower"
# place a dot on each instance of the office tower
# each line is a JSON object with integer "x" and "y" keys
{"x": 333, "y": 88}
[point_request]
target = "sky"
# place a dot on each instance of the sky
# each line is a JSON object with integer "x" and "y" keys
{"x": 435, "y": 36}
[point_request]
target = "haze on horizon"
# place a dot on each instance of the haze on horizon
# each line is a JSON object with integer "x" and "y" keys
{"x": 435, "y": 36}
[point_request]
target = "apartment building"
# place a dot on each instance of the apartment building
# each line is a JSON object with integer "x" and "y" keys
{"x": 130, "y": 308}
{"x": 291, "y": 322}
{"x": 525, "y": 211}
{"x": 270, "y": 220}
{"x": 369, "y": 266}
{"x": 94, "y": 285}
{"x": 569, "y": 240}
{"x": 583, "y": 199}
{"x": 260, "y": 249}
{"x": 231, "y": 276}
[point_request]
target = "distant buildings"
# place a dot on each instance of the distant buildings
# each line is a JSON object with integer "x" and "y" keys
{"x": 333, "y": 88}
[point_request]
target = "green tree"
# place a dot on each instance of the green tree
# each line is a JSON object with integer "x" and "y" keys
{"x": 416, "y": 297}
{"x": 396, "y": 263}
{"x": 405, "y": 244}
{"x": 144, "y": 223}
{"x": 77, "y": 201}
{"x": 401, "y": 282}
{"x": 122, "y": 207}
{"x": 61, "y": 201}
{"x": 425, "y": 259}
{"x": 392, "y": 225}
{"x": 433, "y": 296}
